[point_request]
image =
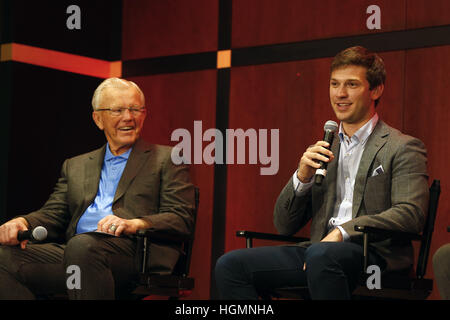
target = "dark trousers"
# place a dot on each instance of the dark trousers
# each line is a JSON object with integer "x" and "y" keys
{"x": 332, "y": 270}
{"x": 106, "y": 265}
{"x": 441, "y": 267}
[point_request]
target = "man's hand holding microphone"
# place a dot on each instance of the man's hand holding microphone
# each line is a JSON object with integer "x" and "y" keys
{"x": 16, "y": 231}
{"x": 315, "y": 159}
{"x": 309, "y": 162}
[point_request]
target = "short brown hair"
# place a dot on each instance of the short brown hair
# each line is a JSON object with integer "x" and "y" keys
{"x": 360, "y": 56}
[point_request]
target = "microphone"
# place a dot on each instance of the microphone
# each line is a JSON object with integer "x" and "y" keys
{"x": 330, "y": 128}
{"x": 37, "y": 234}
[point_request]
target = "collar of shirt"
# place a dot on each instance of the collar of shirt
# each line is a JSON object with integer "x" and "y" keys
{"x": 362, "y": 134}
{"x": 109, "y": 156}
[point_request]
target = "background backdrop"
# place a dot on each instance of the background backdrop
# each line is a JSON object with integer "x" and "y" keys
{"x": 261, "y": 64}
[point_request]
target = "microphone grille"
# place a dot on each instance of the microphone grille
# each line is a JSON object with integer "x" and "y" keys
{"x": 39, "y": 233}
{"x": 330, "y": 125}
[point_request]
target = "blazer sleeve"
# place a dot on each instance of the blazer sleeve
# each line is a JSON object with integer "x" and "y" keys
{"x": 409, "y": 193}
{"x": 291, "y": 212}
{"x": 176, "y": 200}
{"x": 54, "y": 215}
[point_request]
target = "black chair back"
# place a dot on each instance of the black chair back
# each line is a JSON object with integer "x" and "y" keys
{"x": 183, "y": 265}
{"x": 435, "y": 191}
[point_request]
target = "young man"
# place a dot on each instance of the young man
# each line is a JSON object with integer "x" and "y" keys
{"x": 377, "y": 177}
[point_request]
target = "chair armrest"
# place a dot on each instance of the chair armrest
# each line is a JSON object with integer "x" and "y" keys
{"x": 250, "y": 235}
{"x": 389, "y": 233}
{"x": 161, "y": 236}
{"x": 146, "y": 236}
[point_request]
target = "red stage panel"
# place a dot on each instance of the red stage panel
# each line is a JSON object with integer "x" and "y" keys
{"x": 175, "y": 101}
{"x": 427, "y": 117}
{"x": 425, "y": 13}
{"x": 390, "y": 108}
{"x": 291, "y": 97}
{"x": 162, "y": 28}
{"x": 61, "y": 61}
{"x": 262, "y": 22}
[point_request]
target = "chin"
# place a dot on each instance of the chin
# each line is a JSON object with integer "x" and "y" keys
{"x": 126, "y": 138}
{"x": 341, "y": 117}
{"x": 129, "y": 142}
{"x": 125, "y": 142}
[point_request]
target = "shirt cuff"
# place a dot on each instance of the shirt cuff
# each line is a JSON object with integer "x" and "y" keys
{"x": 345, "y": 235}
{"x": 300, "y": 188}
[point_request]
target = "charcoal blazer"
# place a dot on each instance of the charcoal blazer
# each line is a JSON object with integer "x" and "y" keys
{"x": 396, "y": 199}
{"x": 151, "y": 187}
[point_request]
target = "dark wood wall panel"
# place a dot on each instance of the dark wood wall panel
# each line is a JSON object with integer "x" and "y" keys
{"x": 426, "y": 117}
{"x": 264, "y": 22}
{"x": 175, "y": 101}
{"x": 43, "y": 24}
{"x": 426, "y": 13}
{"x": 162, "y": 28}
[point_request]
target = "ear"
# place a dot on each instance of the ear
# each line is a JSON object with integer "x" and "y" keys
{"x": 377, "y": 92}
{"x": 98, "y": 120}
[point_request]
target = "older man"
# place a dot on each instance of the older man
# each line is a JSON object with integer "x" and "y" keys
{"x": 101, "y": 197}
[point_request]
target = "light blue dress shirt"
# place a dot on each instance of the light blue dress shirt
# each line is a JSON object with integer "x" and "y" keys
{"x": 350, "y": 154}
{"x": 112, "y": 170}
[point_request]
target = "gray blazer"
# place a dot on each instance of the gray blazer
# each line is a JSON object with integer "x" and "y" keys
{"x": 151, "y": 188}
{"x": 396, "y": 199}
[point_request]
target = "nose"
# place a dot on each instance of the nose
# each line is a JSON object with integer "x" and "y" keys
{"x": 341, "y": 91}
{"x": 127, "y": 114}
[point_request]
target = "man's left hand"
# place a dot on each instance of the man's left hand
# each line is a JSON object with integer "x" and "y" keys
{"x": 116, "y": 226}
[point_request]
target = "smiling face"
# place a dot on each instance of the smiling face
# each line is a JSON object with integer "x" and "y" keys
{"x": 351, "y": 98}
{"x": 120, "y": 131}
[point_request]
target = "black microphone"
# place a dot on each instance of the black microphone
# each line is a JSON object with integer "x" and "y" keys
{"x": 330, "y": 128}
{"x": 37, "y": 234}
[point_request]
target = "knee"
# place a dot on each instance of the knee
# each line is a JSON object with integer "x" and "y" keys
{"x": 80, "y": 248}
{"x": 229, "y": 263}
{"x": 441, "y": 258}
{"x": 318, "y": 253}
{"x": 4, "y": 254}
{"x": 226, "y": 261}
{"x": 6, "y": 258}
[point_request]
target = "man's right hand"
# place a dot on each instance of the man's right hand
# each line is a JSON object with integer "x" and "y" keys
{"x": 309, "y": 162}
{"x": 9, "y": 231}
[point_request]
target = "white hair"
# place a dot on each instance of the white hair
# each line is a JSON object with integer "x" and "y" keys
{"x": 115, "y": 83}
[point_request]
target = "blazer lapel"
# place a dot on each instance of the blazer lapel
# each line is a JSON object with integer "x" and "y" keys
{"x": 138, "y": 156}
{"x": 374, "y": 143}
{"x": 92, "y": 172}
